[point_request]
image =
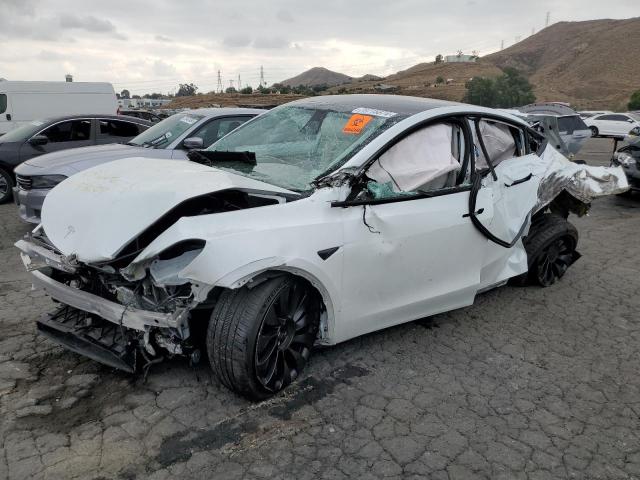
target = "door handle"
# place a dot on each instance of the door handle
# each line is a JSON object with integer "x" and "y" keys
{"x": 477, "y": 212}
{"x": 522, "y": 180}
{"x": 8, "y": 115}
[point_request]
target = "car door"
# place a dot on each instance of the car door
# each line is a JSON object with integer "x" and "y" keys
{"x": 60, "y": 136}
{"x": 510, "y": 179}
{"x": 109, "y": 130}
{"x": 410, "y": 254}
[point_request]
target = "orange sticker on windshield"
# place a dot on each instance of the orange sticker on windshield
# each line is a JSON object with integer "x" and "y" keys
{"x": 356, "y": 123}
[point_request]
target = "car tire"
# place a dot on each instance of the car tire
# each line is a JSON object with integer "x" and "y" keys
{"x": 594, "y": 131}
{"x": 6, "y": 186}
{"x": 551, "y": 250}
{"x": 259, "y": 339}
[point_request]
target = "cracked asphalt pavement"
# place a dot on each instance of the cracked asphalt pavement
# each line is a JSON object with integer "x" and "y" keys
{"x": 528, "y": 383}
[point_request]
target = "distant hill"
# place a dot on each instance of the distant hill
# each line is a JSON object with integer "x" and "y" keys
{"x": 589, "y": 64}
{"x": 317, "y": 76}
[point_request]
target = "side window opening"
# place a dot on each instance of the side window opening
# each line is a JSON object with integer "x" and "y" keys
{"x": 501, "y": 141}
{"x": 118, "y": 128}
{"x": 427, "y": 160}
{"x": 3, "y": 102}
{"x": 73, "y": 131}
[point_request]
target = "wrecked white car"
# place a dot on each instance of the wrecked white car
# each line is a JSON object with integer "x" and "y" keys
{"x": 321, "y": 220}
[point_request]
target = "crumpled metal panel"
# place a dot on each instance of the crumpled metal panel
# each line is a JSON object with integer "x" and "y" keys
{"x": 584, "y": 182}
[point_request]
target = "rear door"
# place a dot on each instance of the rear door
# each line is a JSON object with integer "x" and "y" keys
{"x": 61, "y": 136}
{"x": 109, "y": 130}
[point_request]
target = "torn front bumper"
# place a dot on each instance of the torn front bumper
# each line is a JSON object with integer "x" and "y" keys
{"x": 36, "y": 258}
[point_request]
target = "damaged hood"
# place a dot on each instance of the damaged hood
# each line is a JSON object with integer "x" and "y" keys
{"x": 95, "y": 213}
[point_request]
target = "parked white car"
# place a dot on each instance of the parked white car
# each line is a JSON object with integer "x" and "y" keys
{"x": 613, "y": 124}
{"x": 319, "y": 221}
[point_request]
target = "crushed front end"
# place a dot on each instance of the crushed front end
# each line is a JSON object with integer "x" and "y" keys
{"x": 123, "y": 323}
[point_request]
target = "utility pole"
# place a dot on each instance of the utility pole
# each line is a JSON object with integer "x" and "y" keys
{"x": 546, "y": 24}
{"x": 262, "y": 82}
{"x": 219, "y": 88}
{"x": 502, "y": 45}
{"x": 239, "y": 84}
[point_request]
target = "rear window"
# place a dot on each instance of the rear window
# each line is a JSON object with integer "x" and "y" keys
{"x": 3, "y": 102}
{"x": 570, "y": 124}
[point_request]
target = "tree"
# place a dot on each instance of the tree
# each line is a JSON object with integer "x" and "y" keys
{"x": 634, "y": 103}
{"x": 230, "y": 90}
{"x": 438, "y": 59}
{"x": 439, "y": 80}
{"x": 186, "y": 90}
{"x": 136, "y": 96}
{"x": 153, "y": 96}
{"x": 247, "y": 90}
{"x": 509, "y": 90}
{"x": 125, "y": 93}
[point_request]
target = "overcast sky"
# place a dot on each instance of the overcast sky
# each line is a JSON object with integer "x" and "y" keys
{"x": 152, "y": 45}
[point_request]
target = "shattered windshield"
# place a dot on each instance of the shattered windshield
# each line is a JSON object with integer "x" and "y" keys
{"x": 295, "y": 144}
{"x": 166, "y": 131}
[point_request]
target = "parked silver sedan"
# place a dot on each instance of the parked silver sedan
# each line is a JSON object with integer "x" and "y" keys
{"x": 171, "y": 138}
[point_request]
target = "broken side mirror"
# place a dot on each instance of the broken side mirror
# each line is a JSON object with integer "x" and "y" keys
{"x": 193, "y": 143}
{"x": 38, "y": 140}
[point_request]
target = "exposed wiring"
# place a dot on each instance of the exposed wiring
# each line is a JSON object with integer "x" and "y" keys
{"x": 364, "y": 220}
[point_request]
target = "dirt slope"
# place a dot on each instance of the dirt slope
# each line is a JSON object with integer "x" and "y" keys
{"x": 589, "y": 64}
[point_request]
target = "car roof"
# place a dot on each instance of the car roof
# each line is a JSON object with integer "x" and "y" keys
{"x": 95, "y": 115}
{"x": 399, "y": 104}
{"x": 223, "y": 111}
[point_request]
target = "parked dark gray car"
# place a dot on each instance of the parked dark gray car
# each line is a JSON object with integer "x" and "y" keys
{"x": 61, "y": 133}
{"x": 170, "y": 139}
{"x": 628, "y": 157}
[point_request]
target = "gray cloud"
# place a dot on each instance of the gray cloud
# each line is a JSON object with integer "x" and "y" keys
{"x": 236, "y": 41}
{"x": 163, "y": 38}
{"x": 163, "y": 69}
{"x": 49, "y": 56}
{"x": 271, "y": 42}
{"x": 89, "y": 23}
{"x": 284, "y": 16}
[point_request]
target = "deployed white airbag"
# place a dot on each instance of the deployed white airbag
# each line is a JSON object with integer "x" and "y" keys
{"x": 499, "y": 143}
{"x": 416, "y": 160}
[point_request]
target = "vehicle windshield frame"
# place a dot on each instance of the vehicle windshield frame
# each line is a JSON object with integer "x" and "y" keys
{"x": 24, "y": 132}
{"x": 155, "y": 135}
{"x": 307, "y": 139}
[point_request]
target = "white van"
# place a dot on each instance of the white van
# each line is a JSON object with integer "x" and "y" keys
{"x": 22, "y": 102}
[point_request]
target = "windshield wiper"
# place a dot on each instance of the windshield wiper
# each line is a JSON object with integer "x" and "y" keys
{"x": 211, "y": 157}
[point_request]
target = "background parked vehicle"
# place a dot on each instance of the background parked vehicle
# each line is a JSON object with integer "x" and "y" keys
{"x": 40, "y": 137}
{"x": 613, "y": 124}
{"x": 562, "y": 125}
{"x": 22, "y": 102}
{"x": 170, "y": 139}
{"x": 628, "y": 157}
{"x": 590, "y": 113}
{"x": 143, "y": 114}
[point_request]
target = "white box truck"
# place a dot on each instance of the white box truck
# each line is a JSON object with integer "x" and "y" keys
{"x": 22, "y": 102}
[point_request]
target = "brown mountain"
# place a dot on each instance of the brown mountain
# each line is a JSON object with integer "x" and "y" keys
{"x": 589, "y": 64}
{"x": 317, "y": 76}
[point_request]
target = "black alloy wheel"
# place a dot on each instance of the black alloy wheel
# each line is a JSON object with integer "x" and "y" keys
{"x": 286, "y": 336}
{"x": 554, "y": 261}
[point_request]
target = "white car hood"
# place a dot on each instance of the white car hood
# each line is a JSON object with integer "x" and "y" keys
{"x": 97, "y": 212}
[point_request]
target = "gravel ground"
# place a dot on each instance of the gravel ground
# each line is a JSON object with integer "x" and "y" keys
{"x": 528, "y": 383}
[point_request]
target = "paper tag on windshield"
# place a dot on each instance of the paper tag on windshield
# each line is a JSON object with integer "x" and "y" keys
{"x": 356, "y": 123}
{"x": 374, "y": 112}
{"x": 168, "y": 135}
{"x": 188, "y": 120}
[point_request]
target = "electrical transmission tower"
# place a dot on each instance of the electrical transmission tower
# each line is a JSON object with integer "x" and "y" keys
{"x": 219, "y": 88}
{"x": 262, "y": 82}
{"x": 239, "y": 84}
{"x": 230, "y": 83}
